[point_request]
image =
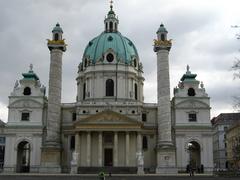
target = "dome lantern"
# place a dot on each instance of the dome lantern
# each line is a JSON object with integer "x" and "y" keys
{"x": 162, "y": 33}
{"x": 111, "y": 21}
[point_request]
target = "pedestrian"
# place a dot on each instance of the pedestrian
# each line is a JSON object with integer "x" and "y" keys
{"x": 191, "y": 171}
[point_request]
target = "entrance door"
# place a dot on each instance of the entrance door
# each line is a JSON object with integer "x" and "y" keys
{"x": 23, "y": 157}
{"x": 194, "y": 154}
{"x": 108, "y": 157}
{"x": 2, "y": 151}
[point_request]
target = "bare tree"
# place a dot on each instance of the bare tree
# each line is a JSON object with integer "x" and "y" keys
{"x": 236, "y": 68}
{"x": 236, "y": 74}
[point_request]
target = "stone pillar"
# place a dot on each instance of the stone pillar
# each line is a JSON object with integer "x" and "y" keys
{"x": 77, "y": 146}
{"x": 139, "y": 142}
{"x": 51, "y": 150}
{"x": 115, "y": 150}
{"x": 127, "y": 149}
{"x": 139, "y": 154}
{"x": 89, "y": 148}
{"x": 100, "y": 149}
{"x": 75, "y": 155}
{"x": 54, "y": 99}
{"x": 166, "y": 159}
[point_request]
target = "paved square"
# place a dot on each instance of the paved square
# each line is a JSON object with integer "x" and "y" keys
{"x": 119, "y": 177}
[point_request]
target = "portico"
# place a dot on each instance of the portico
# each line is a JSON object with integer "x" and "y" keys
{"x": 111, "y": 140}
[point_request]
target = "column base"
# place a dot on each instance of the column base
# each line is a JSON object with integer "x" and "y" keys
{"x": 166, "y": 159}
{"x": 166, "y": 170}
{"x": 50, "y": 160}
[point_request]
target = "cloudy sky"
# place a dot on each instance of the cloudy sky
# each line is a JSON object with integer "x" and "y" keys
{"x": 200, "y": 29}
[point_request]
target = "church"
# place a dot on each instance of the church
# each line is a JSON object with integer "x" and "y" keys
{"x": 108, "y": 127}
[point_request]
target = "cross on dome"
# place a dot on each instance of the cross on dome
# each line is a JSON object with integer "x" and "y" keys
{"x": 188, "y": 68}
{"x": 111, "y": 4}
{"x": 31, "y": 67}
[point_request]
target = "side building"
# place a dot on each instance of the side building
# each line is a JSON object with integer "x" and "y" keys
{"x": 27, "y": 112}
{"x": 220, "y": 124}
{"x": 2, "y": 144}
{"x": 193, "y": 130}
{"x": 233, "y": 146}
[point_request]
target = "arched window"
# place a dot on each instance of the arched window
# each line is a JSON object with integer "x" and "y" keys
{"x": 84, "y": 91}
{"x": 144, "y": 143}
{"x": 115, "y": 26}
{"x": 135, "y": 62}
{"x": 136, "y": 91}
{"x": 85, "y": 63}
{"x": 109, "y": 87}
{"x": 106, "y": 26}
{"x": 111, "y": 26}
{"x": 27, "y": 91}
{"x": 162, "y": 37}
{"x": 56, "y": 37}
{"x": 191, "y": 92}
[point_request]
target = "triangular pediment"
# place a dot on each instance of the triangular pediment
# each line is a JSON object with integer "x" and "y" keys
{"x": 108, "y": 117}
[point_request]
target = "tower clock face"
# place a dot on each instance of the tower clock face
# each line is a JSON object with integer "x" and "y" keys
{"x": 110, "y": 57}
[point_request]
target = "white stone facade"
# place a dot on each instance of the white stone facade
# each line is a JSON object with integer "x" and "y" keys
{"x": 27, "y": 129}
{"x": 196, "y": 129}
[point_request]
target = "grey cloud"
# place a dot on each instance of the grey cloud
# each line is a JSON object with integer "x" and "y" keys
{"x": 25, "y": 25}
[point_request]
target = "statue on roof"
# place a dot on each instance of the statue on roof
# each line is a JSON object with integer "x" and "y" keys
{"x": 31, "y": 67}
{"x": 16, "y": 84}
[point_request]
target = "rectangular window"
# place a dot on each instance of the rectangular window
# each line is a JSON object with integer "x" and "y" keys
{"x": 25, "y": 116}
{"x": 144, "y": 143}
{"x": 72, "y": 143}
{"x": 108, "y": 138}
{"x": 144, "y": 117}
{"x": 74, "y": 116}
{"x": 192, "y": 117}
{"x": 2, "y": 140}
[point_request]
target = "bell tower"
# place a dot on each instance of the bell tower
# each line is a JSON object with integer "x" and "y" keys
{"x": 166, "y": 159}
{"x": 51, "y": 150}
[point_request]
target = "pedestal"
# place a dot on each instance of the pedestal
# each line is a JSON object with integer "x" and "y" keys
{"x": 50, "y": 160}
{"x": 140, "y": 162}
{"x": 74, "y": 163}
{"x": 140, "y": 170}
{"x": 166, "y": 160}
{"x": 74, "y": 169}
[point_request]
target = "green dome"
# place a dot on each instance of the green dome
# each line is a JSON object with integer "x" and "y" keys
{"x": 122, "y": 47}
